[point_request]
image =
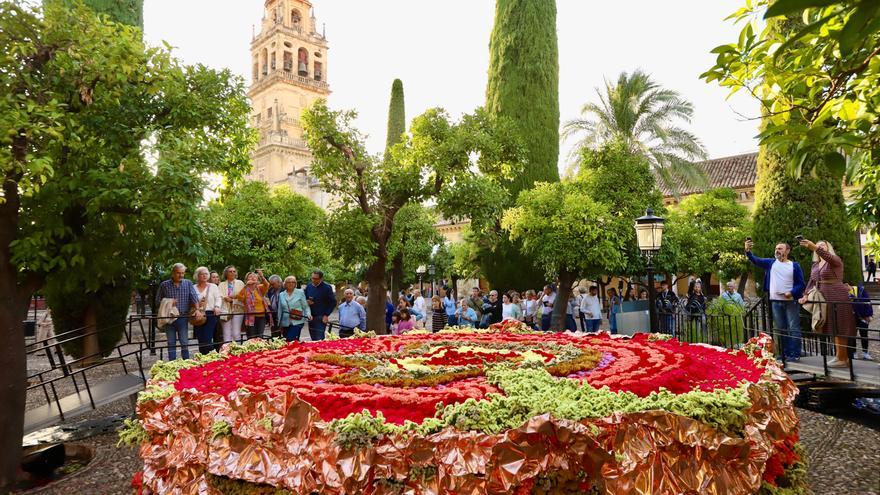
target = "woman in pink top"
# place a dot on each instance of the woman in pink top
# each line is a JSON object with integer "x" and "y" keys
{"x": 405, "y": 323}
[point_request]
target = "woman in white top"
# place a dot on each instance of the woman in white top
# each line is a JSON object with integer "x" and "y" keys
{"x": 509, "y": 310}
{"x": 418, "y": 302}
{"x": 530, "y": 309}
{"x": 210, "y": 302}
{"x": 232, "y": 315}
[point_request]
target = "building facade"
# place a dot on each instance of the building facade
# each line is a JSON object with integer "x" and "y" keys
{"x": 289, "y": 74}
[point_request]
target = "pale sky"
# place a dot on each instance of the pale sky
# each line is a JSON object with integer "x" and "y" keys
{"x": 441, "y": 52}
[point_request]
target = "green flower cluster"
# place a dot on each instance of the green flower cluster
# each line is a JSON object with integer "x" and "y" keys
{"x": 360, "y": 429}
{"x": 228, "y": 486}
{"x": 132, "y": 433}
{"x": 155, "y": 392}
{"x": 220, "y": 428}
{"x": 530, "y": 392}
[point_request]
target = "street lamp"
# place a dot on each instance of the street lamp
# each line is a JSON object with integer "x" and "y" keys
{"x": 431, "y": 271}
{"x": 649, "y": 234}
{"x": 421, "y": 272}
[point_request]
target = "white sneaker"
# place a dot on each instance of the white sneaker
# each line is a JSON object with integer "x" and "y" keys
{"x": 836, "y": 363}
{"x": 867, "y": 357}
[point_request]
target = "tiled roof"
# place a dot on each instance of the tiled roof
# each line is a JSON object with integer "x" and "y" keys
{"x": 732, "y": 171}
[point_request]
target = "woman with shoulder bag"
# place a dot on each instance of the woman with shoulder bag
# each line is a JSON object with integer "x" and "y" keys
{"x": 826, "y": 276}
{"x": 293, "y": 310}
{"x": 210, "y": 304}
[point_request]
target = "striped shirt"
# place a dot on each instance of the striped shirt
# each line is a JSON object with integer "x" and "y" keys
{"x": 184, "y": 292}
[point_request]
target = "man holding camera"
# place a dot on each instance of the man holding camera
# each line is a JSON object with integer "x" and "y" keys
{"x": 784, "y": 285}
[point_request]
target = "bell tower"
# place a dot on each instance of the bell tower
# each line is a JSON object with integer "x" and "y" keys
{"x": 289, "y": 72}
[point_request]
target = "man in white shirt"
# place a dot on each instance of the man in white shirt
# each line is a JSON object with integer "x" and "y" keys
{"x": 784, "y": 285}
{"x": 591, "y": 310}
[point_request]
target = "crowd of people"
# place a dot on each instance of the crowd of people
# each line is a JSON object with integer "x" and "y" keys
{"x": 224, "y": 308}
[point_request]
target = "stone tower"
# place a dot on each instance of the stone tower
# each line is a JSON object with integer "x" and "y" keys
{"x": 289, "y": 58}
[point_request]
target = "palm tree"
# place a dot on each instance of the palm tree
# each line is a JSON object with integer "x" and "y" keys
{"x": 641, "y": 114}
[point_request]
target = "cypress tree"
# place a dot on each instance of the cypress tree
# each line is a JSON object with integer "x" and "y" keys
{"x": 129, "y": 12}
{"x": 812, "y": 206}
{"x": 396, "y": 117}
{"x": 524, "y": 87}
{"x": 396, "y": 128}
{"x": 524, "y": 83}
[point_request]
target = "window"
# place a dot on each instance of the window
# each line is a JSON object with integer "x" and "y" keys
{"x": 256, "y": 71}
{"x": 288, "y": 61}
{"x": 273, "y": 61}
{"x": 295, "y": 18}
{"x": 319, "y": 71}
{"x": 264, "y": 57}
{"x": 269, "y": 113}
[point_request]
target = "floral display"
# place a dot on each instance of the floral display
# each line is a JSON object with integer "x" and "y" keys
{"x": 500, "y": 410}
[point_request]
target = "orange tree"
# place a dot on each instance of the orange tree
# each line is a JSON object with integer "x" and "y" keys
{"x": 80, "y": 205}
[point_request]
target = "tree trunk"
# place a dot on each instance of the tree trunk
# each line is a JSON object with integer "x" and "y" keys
{"x": 14, "y": 300}
{"x": 376, "y": 301}
{"x": 91, "y": 347}
{"x": 566, "y": 280}
{"x": 743, "y": 282}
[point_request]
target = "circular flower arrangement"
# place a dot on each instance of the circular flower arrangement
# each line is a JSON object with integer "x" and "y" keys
{"x": 503, "y": 410}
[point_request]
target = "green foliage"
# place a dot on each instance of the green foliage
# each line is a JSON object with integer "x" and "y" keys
{"x": 96, "y": 208}
{"x": 132, "y": 433}
{"x": 623, "y": 180}
{"x": 465, "y": 256}
{"x": 229, "y": 486}
{"x": 727, "y": 325}
{"x": 413, "y": 239}
{"x": 129, "y": 12}
{"x": 156, "y": 393}
{"x": 252, "y": 227}
{"x": 457, "y": 165}
{"x": 110, "y": 304}
{"x": 359, "y": 430}
{"x": 563, "y": 229}
{"x": 220, "y": 428}
{"x": 812, "y": 206}
{"x": 643, "y": 116}
{"x": 815, "y": 70}
{"x": 396, "y": 118}
{"x": 523, "y": 85}
{"x": 530, "y": 392}
{"x": 705, "y": 234}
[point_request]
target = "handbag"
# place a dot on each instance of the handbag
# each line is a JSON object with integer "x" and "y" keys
{"x": 816, "y": 305}
{"x": 198, "y": 321}
{"x": 296, "y": 314}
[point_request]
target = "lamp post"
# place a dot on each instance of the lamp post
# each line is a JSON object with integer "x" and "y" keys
{"x": 421, "y": 272}
{"x": 431, "y": 271}
{"x": 649, "y": 234}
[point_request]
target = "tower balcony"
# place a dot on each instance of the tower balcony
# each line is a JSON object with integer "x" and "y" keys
{"x": 289, "y": 77}
{"x": 296, "y": 31}
{"x": 274, "y": 138}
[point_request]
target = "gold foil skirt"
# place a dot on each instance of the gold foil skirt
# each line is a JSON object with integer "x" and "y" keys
{"x": 281, "y": 441}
